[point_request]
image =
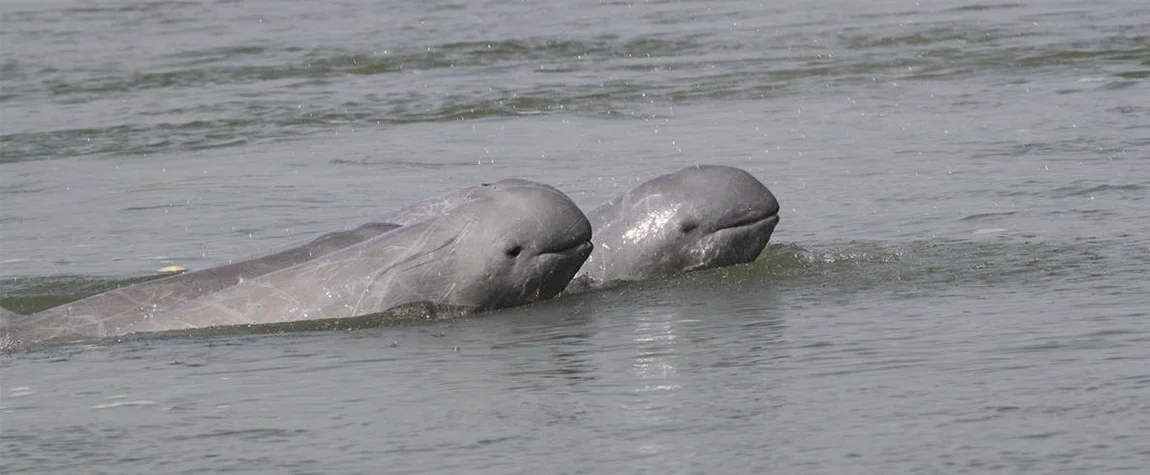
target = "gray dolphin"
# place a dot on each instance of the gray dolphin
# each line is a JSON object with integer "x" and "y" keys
{"x": 481, "y": 248}
{"x": 700, "y": 217}
{"x": 159, "y": 294}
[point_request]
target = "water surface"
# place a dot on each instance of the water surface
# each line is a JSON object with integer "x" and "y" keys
{"x": 957, "y": 284}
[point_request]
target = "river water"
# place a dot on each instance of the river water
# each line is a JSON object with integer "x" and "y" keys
{"x": 957, "y": 285}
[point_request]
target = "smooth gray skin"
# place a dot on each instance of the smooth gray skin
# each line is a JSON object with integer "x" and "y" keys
{"x": 481, "y": 248}
{"x": 700, "y": 217}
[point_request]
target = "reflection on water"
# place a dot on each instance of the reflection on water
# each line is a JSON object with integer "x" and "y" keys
{"x": 655, "y": 337}
{"x": 655, "y": 367}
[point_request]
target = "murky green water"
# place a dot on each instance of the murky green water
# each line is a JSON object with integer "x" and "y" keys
{"x": 957, "y": 284}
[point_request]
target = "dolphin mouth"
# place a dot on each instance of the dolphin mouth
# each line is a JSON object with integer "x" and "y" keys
{"x": 752, "y": 221}
{"x": 737, "y": 243}
{"x": 565, "y": 263}
{"x": 581, "y": 248}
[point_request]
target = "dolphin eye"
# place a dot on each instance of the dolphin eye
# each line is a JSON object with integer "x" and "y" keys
{"x": 688, "y": 226}
{"x": 514, "y": 251}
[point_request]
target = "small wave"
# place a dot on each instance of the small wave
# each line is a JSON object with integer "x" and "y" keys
{"x": 867, "y": 265}
{"x": 115, "y": 404}
{"x": 1079, "y": 190}
{"x": 323, "y": 63}
{"x": 1140, "y": 74}
{"x": 976, "y": 8}
{"x": 396, "y": 163}
{"x": 983, "y": 216}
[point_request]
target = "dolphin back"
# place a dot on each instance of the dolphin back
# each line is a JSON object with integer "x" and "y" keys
{"x": 366, "y": 278}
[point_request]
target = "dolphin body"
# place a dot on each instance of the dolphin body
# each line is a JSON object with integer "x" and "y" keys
{"x": 480, "y": 248}
{"x": 700, "y": 217}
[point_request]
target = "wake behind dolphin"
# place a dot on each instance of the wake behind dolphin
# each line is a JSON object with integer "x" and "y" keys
{"x": 700, "y": 217}
{"x": 481, "y": 248}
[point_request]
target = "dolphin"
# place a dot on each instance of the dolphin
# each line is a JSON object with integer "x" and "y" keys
{"x": 484, "y": 247}
{"x": 161, "y": 293}
{"x": 700, "y": 217}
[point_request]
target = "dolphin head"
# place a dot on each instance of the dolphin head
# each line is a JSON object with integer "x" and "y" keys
{"x": 700, "y": 217}
{"x": 520, "y": 242}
